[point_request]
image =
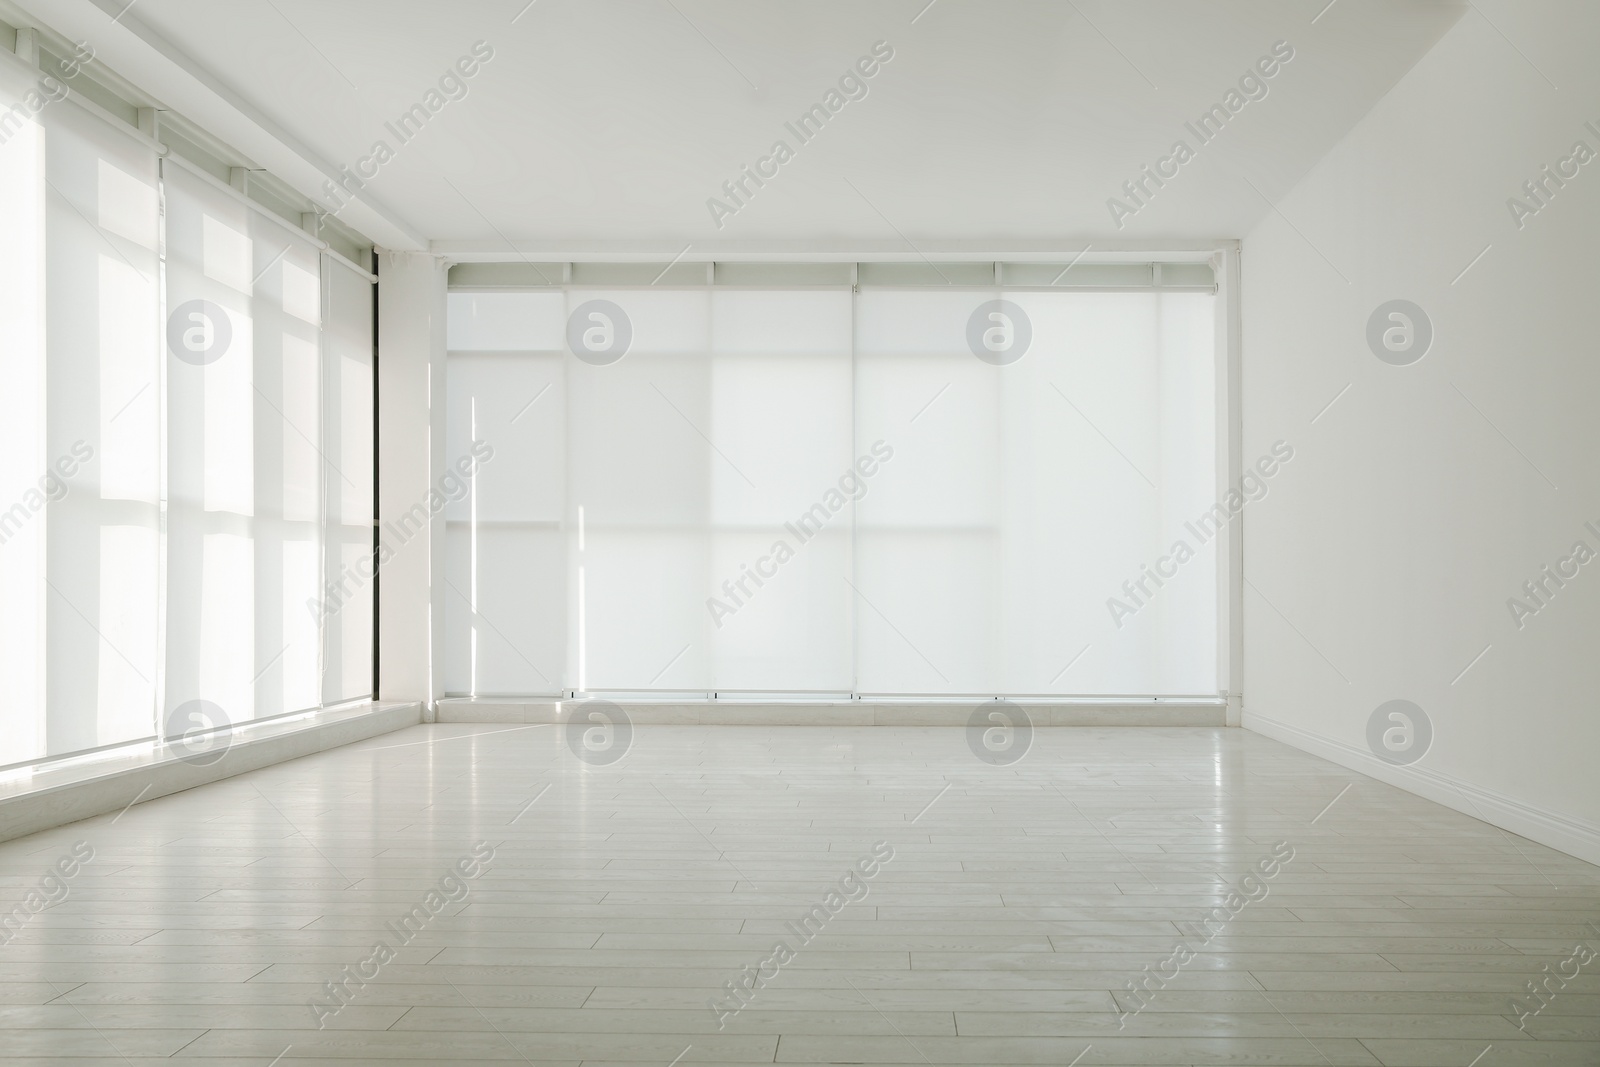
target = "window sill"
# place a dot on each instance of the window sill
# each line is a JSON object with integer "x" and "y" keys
{"x": 31, "y": 801}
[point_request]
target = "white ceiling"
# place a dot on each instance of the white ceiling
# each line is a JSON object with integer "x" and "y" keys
{"x": 608, "y": 123}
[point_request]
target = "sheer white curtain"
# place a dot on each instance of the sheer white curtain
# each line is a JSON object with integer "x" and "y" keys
{"x": 811, "y": 490}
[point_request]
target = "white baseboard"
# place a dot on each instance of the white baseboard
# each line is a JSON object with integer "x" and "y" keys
{"x": 853, "y": 713}
{"x": 1575, "y": 837}
{"x": 58, "y": 796}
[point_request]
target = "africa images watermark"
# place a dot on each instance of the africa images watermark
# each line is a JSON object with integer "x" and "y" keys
{"x": 1252, "y": 86}
{"x": 852, "y": 486}
{"x": 453, "y": 485}
{"x": 52, "y": 889}
{"x": 852, "y": 85}
{"x": 999, "y": 732}
{"x": 453, "y": 887}
{"x": 52, "y": 485}
{"x": 1551, "y": 579}
{"x": 598, "y": 732}
{"x": 1543, "y": 187}
{"x": 1252, "y": 487}
{"x": 1251, "y": 889}
{"x": 452, "y": 86}
{"x": 850, "y": 889}
{"x": 49, "y": 90}
{"x": 199, "y": 732}
{"x": 1399, "y": 332}
{"x": 1399, "y": 732}
{"x": 1581, "y": 956}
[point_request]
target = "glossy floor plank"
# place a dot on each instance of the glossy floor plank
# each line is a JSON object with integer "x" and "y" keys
{"x": 1023, "y": 908}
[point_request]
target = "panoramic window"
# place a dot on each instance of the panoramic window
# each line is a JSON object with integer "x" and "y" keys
{"x": 187, "y": 447}
{"x": 900, "y": 486}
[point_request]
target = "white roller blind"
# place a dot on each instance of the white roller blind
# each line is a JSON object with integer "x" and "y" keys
{"x": 186, "y": 458}
{"x": 642, "y": 471}
{"x": 819, "y": 491}
{"x": 506, "y": 554}
{"x": 290, "y": 443}
{"x": 780, "y": 409}
{"x": 270, "y": 463}
{"x": 102, "y": 398}
{"x": 1023, "y": 494}
{"x": 347, "y": 483}
{"x": 210, "y": 438}
{"x": 24, "y": 461}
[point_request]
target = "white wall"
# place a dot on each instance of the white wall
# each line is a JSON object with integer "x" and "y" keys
{"x": 1382, "y": 563}
{"x": 411, "y": 348}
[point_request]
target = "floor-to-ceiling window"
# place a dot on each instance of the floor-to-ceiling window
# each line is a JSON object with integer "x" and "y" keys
{"x": 185, "y": 443}
{"x": 884, "y": 479}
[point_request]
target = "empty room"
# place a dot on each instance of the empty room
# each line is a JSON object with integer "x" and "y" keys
{"x": 640, "y": 533}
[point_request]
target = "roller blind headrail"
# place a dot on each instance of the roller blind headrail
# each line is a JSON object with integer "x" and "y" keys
{"x": 228, "y": 190}
{"x": 909, "y": 274}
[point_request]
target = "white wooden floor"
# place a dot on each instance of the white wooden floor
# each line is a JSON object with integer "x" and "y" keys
{"x": 1019, "y": 903}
